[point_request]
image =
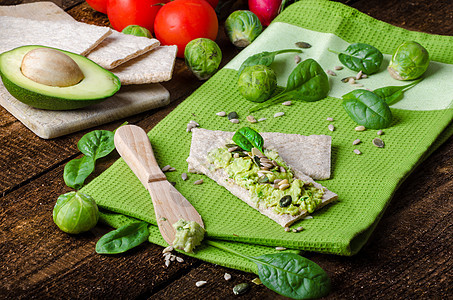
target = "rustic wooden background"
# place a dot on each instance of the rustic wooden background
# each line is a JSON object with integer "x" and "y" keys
{"x": 409, "y": 256}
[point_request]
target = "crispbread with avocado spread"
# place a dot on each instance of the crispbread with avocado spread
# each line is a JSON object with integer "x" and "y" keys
{"x": 271, "y": 183}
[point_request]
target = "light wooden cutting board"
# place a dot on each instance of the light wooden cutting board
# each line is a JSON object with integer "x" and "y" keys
{"x": 130, "y": 100}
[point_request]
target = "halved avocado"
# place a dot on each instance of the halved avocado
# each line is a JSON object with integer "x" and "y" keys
{"x": 97, "y": 84}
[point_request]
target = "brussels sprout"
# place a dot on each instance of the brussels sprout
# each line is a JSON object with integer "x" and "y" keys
{"x": 257, "y": 83}
{"x": 409, "y": 61}
{"x": 242, "y": 27}
{"x": 137, "y": 31}
{"x": 75, "y": 212}
{"x": 203, "y": 57}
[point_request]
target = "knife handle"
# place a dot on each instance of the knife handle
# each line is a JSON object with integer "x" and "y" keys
{"x": 134, "y": 146}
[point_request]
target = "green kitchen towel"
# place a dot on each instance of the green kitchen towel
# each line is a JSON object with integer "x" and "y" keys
{"x": 364, "y": 183}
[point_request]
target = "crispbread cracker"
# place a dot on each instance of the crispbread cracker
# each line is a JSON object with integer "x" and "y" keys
{"x": 119, "y": 48}
{"x": 75, "y": 37}
{"x": 204, "y": 141}
{"x": 151, "y": 67}
{"x": 47, "y": 11}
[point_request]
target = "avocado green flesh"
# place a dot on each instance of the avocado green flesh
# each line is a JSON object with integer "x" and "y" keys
{"x": 97, "y": 85}
{"x": 245, "y": 174}
{"x": 189, "y": 234}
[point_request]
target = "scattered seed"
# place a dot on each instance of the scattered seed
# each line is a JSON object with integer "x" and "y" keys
{"x": 378, "y": 142}
{"x": 179, "y": 259}
{"x": 257, "y": 152}
{"x": 276, "y": 181}
{"x": 279, "y": 114}
{"x": 360, "y": 128}
{"x": 233, "y": 115}
{"x": 199, "y": 181}
{"x": 275, "y": 186}
{"x": 184, "y": 176}
{"x": 193, "y": 122}
{"x": 351, "y": 80}
{"x": 166, "y": 168}
{"x": 300, "y": 228}
{"x": 294, "y": 230}
{"x": 282, "y": 169}
{"x": 168, "y": 249}
{"x": 275, "y": 163}
{"x": 221, "y": 114}
{"x": 167, "y": 263}
{"x": 236, "y": 155}
{"x": 357, "y": 84}
{"x": 330, "y": 119}
{"x": 331, "y": 73}
{"x": 338, "y": 68}
{"x": 172, "y": 258}
{"x": 190, "y": 126}
{"x": 364, "y": 76}
{"x": 303, "y": 45}
{"x": 356, "y": 142}
{"x": 331, "y": 127}
{"x": 171, "y": 169}
{"x": 297, "y": 59}
{"x": 267, "y": 165}
{"x": 285, "y": 201}
{"x": 308, "y": 217}
{"x": 200, "y": 283}
{"x": 227, "y": 276}
{"x": 262, "y": 119}
{"x": 251, "y": 119}
{"x": 257, "y": 281}
{"x": 241, "y": 288}
{"x": 357, "y": 151}
{"x": 280, "y": 248}
{"x": 359, "y": 75}
{"x": 346, "y": 79}
{"x": 235, "y": 121}
{"x": 167, "y": 255}
{"x": 287, "y": 229}
{"x": 287, "y": 103}
{"x": 265, "y": 160}
{"x": 283, "y": 187}
{"x": 284, "y": 181}
{"x": 380, "y": 132}
{"x": 234, "y": 148}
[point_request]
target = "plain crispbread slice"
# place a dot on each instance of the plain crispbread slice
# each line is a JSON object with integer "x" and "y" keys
{"x": 75, "y": 37}
{"x": 119, "y": 48}
{"x": 151, "y": 67}
{"x": 204, "y": 141}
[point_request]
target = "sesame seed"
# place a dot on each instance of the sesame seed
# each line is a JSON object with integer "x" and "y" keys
{"x": 330, "y": 119}
{"x": 338, "y": 68}
{"x": 221, "y": 114}
{"x": 356, "y": 142}
{"x": 200, "y": 283}
{"x": 279, "y": 114}
{"x": 280, "y": 248}
{"x": 235, "y": 121}
{"x": 199, "y": 181}
{"x": 357, "y": 151}
{"x": 360, "y": 128}
{"x": 380, "y": 132}
{"x": 331, "y": 127}
{"x": 227, "y": 276}
{"x": 262, "y": 119}
{"x": 166, "y": 168}
{"x": 287, "y": 103}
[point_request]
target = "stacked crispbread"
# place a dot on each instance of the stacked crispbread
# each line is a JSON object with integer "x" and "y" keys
{"x": 307, "y": 156}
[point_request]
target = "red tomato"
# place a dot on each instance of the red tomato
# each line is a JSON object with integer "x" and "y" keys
{"x": 98, "y": 5}
{"x": 122, "y": 13}
{"x": 180, "y": 21}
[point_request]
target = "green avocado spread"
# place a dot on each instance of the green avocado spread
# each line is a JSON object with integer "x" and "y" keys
{"x": 268, "y": 179}
{"x": 189, "y": 234}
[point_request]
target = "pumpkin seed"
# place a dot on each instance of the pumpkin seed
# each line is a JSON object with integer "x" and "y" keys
{"x": 303, "y": 45}
{"x": 221, "y": 114}
{"x": 241, "y": 288}
{"x": 200, "y": 283}
{"x": 285, "y": 201}
{"x": 378, "y": 142}
{"x": 233, "y": 115}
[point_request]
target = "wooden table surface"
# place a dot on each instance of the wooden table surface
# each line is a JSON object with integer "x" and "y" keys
{"x": 409, "y": 256}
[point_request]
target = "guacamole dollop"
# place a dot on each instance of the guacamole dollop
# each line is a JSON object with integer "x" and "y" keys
{"x": 189, "y": 234}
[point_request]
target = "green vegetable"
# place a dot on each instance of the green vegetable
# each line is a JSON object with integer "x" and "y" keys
{"x": 307, "y": 82}
{"x": 122, "y": 239}
{"x": 77, "y": 170}
{"x": 392, "y": 94}
{"x": 257, "y": 83}
{"x": 75, "y": 212}
{"x": 264, "y": 58}
{"x": 242, "y": 27}
{"x": 247, "y": 138}
{"x": 288, "y": 274}
{"x": 361, "y": 57}
{"x": 97, "y": 143}
{"x": 202, "y": 57}
{"x": 137, "y": 31}
{"x": 409, "y": 61}
{"x": 367, "y": 109}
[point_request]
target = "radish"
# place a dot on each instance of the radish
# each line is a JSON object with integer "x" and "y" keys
{"x": 266, "y": 10}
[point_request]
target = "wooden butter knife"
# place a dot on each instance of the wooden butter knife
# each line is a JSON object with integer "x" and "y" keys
{"x": 134, "y": 146}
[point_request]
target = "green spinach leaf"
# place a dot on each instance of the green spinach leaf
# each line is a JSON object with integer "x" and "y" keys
{"x": 392, "y": 94}
{"x": 97, "y": 143}
{"x": 288, "y": 274}
{"x": 264, "y": 58}
{"x": 247, "y": 138}
{"x": 77, "y": 170}
{"x": 307, "y": 82}
{"x": 122, "y": 239}
{"x": 367, "y": 109}
{"x": 361, "y": 57}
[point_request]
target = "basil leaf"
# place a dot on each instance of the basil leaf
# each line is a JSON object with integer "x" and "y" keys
{"x": 247, "y": 138}
{"x": 307, "y": 82}
{"x": 122, "y": 239}
{"x": 367, "y": 109}
{"x": 77, "y": 170}
{"x": 361, "y": 57}
{"x": 293, "y": 276}
{"x": 392, "y": 94}
{"x": 97, "y": 143}
{"x": 264, "y": 58}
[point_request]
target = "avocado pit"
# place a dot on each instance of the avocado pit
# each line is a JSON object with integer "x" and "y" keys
{"x": 51, "y": 67}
